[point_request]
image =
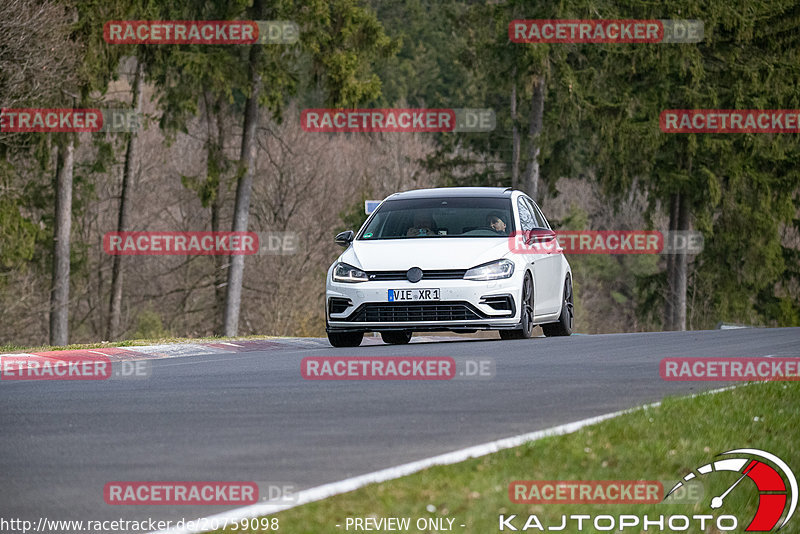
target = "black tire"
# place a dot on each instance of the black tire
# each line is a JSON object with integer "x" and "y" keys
{"x": 345, "y": 339}
{"x": 565, "y": 323}
{"x": 525, "y": 329}
{"x": 396, "y": 337}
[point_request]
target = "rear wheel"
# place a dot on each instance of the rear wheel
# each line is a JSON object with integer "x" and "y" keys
{"x": 345, "y": 339}
{"x": 525, "y": 329}
{"x": 563, "y": 327}
{"x": 396, "y": 338}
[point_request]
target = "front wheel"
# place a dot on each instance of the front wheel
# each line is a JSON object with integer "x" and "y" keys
{"x": 563, "y": 327}
{"x": 396, "y": 338}
{"x": 345, "y": 339}
{"x": 525, "y": 328}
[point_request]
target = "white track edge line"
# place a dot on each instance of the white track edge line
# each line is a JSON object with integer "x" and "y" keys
{"x": 325, "y": 491}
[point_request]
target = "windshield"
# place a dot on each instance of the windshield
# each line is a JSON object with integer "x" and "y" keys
{"x": 441, "y": 217}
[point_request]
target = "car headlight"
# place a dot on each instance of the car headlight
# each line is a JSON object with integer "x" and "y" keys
{"x": 491, "y": 271}
{"x": 347, "y": 273}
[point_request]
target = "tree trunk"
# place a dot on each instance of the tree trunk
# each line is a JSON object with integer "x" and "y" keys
{"x": 669, "y": 321}
{"x": 131, "y": 157}
{"x": 677, "y": 267}
{"x": 62, "y": 226}
{"x": 244, "y": 187}
{"x": 220, "y": 262}
{"x": 514, "y": 132}
{"x": 531, "y": 180}
{"x": 681, "y": 270}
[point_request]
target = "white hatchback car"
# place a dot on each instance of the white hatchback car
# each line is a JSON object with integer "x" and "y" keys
{"x": 449, "y": 259}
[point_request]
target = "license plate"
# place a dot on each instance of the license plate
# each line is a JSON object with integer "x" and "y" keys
{"x": 413, "y": 294}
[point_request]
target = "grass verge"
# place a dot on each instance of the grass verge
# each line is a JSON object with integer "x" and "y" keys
{"x": 662, "y": 443}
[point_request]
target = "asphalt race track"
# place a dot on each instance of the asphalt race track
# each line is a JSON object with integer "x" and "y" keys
{"x": 252, "y": 417}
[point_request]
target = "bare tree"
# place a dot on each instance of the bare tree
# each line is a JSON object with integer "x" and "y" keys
{"x": 531, "y": 179}
{"x": 515, "y": 138}
{"x": 37, "y": 57}
{"x": 59, "y": 295}
{"x": 244, "y": 187}
{"x": 123, "y": 221}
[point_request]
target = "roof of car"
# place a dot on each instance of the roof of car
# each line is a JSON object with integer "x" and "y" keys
{"x": 438, "y": 192}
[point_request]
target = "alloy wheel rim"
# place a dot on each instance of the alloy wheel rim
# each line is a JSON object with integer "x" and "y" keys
{"x": 527, "y": 298}
{"x": 568, "y": 303}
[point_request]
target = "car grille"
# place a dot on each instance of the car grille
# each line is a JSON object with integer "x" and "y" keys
{"x": 402, "y": 312}
{"x": 442, "y": 274}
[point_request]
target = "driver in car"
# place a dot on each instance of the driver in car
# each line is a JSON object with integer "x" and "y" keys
{"x": 423, "y": 225}
{"x": 494, "y": 222}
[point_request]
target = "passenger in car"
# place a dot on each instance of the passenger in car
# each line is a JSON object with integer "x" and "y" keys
{"x": 496, "y": 223}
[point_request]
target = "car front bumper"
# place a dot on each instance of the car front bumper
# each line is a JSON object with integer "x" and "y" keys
{"x": 462, "y": 305}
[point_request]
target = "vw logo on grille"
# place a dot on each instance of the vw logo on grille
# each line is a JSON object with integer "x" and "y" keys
{"x": 414, "y": 275}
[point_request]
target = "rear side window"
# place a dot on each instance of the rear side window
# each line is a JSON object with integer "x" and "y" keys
{"x": 541, "y": 222}
{"x": 526, "y": 219}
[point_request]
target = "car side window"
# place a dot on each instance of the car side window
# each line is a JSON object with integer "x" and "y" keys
{"x": 526, "y": 219}
{"x": 541, "y": 222}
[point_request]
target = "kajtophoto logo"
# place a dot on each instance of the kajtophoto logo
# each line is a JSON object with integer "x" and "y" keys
{"x": 770, "y": 482}
{"x": 775, "y": 483}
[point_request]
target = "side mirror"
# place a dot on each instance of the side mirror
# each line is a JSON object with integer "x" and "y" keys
{"x": 540, "y": 235}
{"x": 345, "y": 238}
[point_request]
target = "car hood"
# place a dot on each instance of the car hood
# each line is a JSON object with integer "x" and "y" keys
{"x": 425, "y": 253}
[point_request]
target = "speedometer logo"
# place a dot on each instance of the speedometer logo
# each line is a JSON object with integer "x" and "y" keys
{"x": 773, "y": 493}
